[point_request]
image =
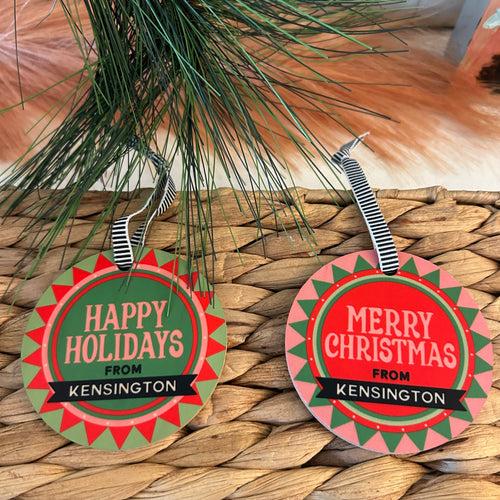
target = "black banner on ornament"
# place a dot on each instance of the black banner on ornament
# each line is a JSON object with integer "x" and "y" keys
{"x": 123, "y": 388}
{"x": 391, "y": 394}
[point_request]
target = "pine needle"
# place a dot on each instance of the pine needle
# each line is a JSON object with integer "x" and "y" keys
{"x": 215, "y": 74}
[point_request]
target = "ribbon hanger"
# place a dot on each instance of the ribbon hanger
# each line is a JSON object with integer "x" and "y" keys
{"x": 165, "y": 192}
{"x": 370, "y": 209}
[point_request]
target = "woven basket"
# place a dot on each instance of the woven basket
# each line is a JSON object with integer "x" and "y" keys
{"x": 255, "y": 438}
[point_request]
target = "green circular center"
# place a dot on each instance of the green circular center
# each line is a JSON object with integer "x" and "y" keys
{"x": 120, "y": 327}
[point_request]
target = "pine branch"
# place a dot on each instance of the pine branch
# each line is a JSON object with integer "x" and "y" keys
{"x": 216, "y": 75}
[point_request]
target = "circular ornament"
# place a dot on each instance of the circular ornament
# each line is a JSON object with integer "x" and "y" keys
{"x": 117, "y": 360}
{"x": 395, "y": 364}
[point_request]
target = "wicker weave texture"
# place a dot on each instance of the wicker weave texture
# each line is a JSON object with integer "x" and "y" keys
{"x": 255, "y": 438}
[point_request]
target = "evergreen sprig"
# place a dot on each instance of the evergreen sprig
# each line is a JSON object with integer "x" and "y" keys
{"x": 215, "y": 75}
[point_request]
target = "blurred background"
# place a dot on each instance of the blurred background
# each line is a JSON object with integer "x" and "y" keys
{"x": 444, "y": 107}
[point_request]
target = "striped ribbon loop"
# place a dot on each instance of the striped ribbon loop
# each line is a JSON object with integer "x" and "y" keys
{"x": 377, "y": 226}
{"x": 164, "y": 194}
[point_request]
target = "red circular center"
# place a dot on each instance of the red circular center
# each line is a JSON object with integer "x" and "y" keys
{"x": 390, "y": 333}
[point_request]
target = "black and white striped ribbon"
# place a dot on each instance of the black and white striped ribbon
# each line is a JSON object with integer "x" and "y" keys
{"x": 165, "y": 192}
{"x": 377, "y": 226}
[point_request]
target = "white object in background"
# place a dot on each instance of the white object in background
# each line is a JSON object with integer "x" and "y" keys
{"x": 433, "y": 13}
{"x": 467, "y": 23}
{"x": 493, "y": 21}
